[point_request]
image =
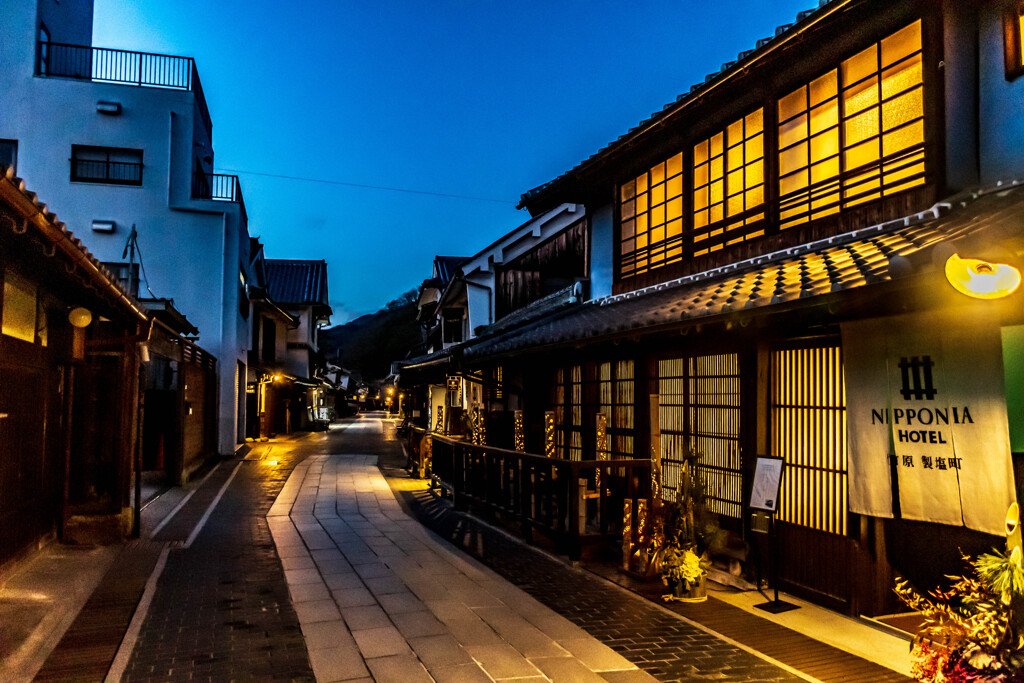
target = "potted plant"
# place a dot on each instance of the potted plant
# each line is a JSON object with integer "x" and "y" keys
{"x": 685, "y": 573}
{"x": 686, "y": 533}
{"x": 974, "y": 630}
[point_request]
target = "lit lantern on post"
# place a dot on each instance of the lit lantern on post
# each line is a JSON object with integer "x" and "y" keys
{"x": 549, "y": 433}
{"x": 601, "y": 446}
{"x": 520, "y": 435}
{"x": 80, "y": 318}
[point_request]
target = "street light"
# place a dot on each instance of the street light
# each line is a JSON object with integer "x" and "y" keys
{"x": 981, "y": 279}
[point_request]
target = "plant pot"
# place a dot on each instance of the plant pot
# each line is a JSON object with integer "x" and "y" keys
{"x": 683, "y": 592}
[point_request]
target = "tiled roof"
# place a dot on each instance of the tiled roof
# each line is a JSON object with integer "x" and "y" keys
{"x": 448, "y": 267}
{"x": 69, "y": 244}
{"x": 841, "y": 263}
{"x": 297, "y": 282}
{"x": 743, "y": 59}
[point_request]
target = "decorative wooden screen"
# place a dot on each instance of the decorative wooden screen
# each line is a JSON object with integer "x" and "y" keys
{"x": 700, "y": 411}
{"x": 616, "y": 400}
{"x": 808, "y": 430}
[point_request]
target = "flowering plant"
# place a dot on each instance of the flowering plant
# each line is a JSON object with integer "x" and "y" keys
{"x": 973, "y": 631}
{"x": 683, "y": 565}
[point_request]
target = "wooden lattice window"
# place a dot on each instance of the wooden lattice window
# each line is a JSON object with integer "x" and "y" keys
{"x": 808, "y": 430}
{"x": 854, "y": 134}
{"x": 1013, "y": 41}
{"x": 728, "y": 185}
{"x": 567, "y": 402}
{"x": 616, "y": 400}
{"x": 699, "y": 399}
{"x": 651, "y": 213}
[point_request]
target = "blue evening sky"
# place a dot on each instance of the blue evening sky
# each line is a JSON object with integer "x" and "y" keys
{"x": 479, "y": 99}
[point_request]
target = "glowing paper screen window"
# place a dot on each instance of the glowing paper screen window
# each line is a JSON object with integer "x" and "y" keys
{"x": 728, "y": 185}
{"x": 854, "y": 134}
{"x": 651, "y": 218}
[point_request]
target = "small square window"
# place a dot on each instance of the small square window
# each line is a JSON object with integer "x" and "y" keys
{"x": 9, "y": 155}
{"x": 1013, "y": 41}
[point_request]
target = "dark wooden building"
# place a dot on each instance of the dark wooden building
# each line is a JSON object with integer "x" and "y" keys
{"x": 784, "y": 238}
{"x": 69, "y": 381}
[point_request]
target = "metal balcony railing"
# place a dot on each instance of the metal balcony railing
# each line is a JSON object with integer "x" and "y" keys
{"x": 217, "y": 187}
{"x": 105, "y": 65}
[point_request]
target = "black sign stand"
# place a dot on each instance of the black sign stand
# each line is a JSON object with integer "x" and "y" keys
{"x": 775, "y": 606}
{"x": 764, "y": 496}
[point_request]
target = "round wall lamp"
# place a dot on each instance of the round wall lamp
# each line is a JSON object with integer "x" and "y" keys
{"x": 80, "y": 317}
{"x": 982, "y": 279}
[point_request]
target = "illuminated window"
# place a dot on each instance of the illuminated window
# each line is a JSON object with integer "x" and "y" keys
{"x": 854, "y": 134}
{"x": 616, "y": 395}
{"x": 1013, "y": 41}
{"x": 808, "y": 430}
{"x": 651, "y": 212}
{"x": 728, "y": 185}
{"x": 699, "y": 400}
{"x": 567, "y": 400}
{"x": 19, "y": 307}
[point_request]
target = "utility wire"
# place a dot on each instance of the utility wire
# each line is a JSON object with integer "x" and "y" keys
{"x": 371, "y": 187}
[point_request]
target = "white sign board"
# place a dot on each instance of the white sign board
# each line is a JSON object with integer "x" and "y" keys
{"x": 767, "y": 480}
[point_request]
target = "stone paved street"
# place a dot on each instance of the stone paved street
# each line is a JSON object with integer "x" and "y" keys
{"x": 309, "y": 568}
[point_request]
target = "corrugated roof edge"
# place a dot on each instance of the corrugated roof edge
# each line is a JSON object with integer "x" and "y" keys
{"x": 696, "y": 90}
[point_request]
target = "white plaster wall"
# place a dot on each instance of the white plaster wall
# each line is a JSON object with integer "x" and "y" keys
{"x": 191, "y": 250}
{"x": 602, "y": 250}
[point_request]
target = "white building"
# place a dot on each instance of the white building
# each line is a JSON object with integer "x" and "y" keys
{"x": 117, "y": 139}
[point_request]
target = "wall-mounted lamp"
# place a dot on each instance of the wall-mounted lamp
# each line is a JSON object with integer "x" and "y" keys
{"x": 110, "y": 108}
{"x": 981, "y": 279}
{"x": 144, "y": 352}
{"x": 80, "y": 317}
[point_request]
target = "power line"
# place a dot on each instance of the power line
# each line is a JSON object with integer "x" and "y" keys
{"x": 371, "y": 187}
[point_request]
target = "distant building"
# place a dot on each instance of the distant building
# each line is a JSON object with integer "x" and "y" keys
{"x": 116, "y": 140}
{"x": 300, "y": 288}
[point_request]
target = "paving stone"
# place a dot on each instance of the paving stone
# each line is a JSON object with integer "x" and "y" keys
{"x": 304, "y": 592}
{"x": 502, "y": 661}
{"x": 439, "y": 651}
{"x": 380, "y": 642}
{"x": 352, "y": 597}
{"x": 337, "y": 663}
{"x": 317, "y": 610}
{"x": 343, "y": 581}
{"x": 399, "y": 603}
{"x": 399, "y": 668}
{"x": 326, "y": 634}
{"x": 464, "y": 673}
{"x": 565, "y": 669}
{"x": 414, "y": 624}
{"x": 364, "y": 617}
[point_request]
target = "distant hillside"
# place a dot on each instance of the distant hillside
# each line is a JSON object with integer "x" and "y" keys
{"x": 368, "y": 344}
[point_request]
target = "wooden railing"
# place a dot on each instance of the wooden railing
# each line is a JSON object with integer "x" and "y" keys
{"x": 574, "y": 503}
